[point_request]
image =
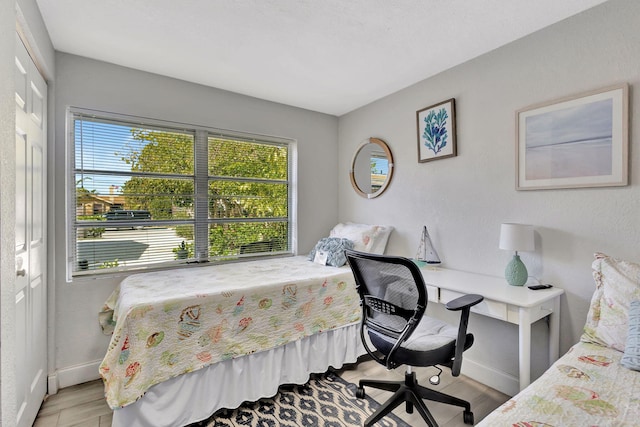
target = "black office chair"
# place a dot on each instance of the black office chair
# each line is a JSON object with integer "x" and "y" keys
{"x": 393, "y": 296}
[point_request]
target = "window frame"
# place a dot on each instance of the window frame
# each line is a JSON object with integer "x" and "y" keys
{"x": 201, "y": 179}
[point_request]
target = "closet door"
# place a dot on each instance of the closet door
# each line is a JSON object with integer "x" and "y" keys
{"x": 31, "y": 245}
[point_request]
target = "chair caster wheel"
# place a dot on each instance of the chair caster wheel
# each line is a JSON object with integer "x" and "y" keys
{"x": 360, "y": 393}
{"x": 468, "y": 417}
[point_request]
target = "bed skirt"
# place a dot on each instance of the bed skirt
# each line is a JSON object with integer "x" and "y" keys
{"x": 192, "y": 397}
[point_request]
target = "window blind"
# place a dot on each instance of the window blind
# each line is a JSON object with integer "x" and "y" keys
{"x": 148, "y": 195}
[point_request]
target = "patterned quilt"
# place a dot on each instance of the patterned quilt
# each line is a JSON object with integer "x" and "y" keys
{"x": 167, "y": 323}
{"x": 585, "y": 387}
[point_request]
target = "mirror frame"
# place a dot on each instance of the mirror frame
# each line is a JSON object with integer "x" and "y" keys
{"x": 384, "y": 186}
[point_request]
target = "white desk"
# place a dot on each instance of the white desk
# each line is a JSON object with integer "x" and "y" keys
{"x": 513, "y": 304}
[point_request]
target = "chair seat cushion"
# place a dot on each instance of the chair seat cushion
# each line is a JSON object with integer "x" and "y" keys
{"x": 431, "y": 334}
{"x": 432, "y": 342}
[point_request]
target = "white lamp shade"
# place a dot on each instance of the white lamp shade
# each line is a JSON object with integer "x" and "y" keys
{"x": 516, "y": 237}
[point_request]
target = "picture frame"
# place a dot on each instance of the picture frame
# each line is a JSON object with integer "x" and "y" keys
{"x": 574, "y": 142}
{"x": 436, "y": 126}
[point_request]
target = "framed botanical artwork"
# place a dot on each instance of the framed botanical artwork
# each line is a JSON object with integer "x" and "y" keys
{"x": 437, "y": 131}
{"x": 578, "y": 141}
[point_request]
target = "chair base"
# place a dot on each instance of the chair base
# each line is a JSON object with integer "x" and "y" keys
{"x": 411, "y": 393}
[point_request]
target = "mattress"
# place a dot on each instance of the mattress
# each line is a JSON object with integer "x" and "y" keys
{"x": 168, "y": 323}
{"x": 586, "y": 387}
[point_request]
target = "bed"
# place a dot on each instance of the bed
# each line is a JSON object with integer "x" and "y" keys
{"x": 187, "y": 342}
{"x": 587, "y": 386}
{"x": 597, "y": 382}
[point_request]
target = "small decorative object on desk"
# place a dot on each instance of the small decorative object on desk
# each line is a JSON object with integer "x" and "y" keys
{"x": 426, "y": 252}
{"x": 516, "y": 237}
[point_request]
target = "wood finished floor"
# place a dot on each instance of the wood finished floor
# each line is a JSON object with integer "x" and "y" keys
{"x": 84, "y": 405}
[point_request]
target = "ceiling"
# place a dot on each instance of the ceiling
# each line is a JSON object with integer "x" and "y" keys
{"x": 331, "y": 56}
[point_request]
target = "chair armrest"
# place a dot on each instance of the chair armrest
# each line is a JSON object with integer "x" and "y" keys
{"x": 465, "y": 301}
{"x": 464, "y": 304}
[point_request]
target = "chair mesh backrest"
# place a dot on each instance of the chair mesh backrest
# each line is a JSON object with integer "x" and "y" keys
{"x": 389, "y": 291}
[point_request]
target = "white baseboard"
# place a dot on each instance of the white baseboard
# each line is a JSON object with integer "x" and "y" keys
{"x": 73, "y": 375}
{"x": 52, "y": 383}
{"x": 501, "y": 381}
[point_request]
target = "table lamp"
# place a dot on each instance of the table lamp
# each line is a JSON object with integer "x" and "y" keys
{"x": 516, "y": 237}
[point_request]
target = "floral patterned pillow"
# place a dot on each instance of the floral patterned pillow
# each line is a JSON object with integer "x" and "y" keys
{"x": 617, "y": 284}
{"x": 365, "y": 237}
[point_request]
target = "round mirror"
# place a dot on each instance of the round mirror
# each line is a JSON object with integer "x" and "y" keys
{"x": 372, "y": 168}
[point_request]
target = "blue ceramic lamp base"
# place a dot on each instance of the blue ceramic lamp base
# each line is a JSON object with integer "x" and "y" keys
{"x": 516, "y": 272}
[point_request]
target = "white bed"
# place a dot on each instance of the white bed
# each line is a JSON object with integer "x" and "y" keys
{"x": 188, "y": 342}
{"x": 586, "y": 387}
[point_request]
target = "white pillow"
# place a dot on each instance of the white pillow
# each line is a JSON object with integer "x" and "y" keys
{"x": 365, "y": 237}
{"x": 617, "y": 284}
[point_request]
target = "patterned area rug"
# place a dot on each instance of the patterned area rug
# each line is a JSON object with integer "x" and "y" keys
{"x": 325, "y": 401}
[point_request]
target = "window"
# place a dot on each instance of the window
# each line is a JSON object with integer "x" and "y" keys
{"x": 154, "y": 194}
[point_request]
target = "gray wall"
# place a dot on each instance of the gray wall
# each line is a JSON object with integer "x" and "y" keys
{"x": 7, "y": 212}
{"x": 464, "y": 199}
{"x": 86, "y": 83}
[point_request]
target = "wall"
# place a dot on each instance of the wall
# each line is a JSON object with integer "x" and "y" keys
{"x": 86, "y": 83}
{"x": 463, "y": 200}
{"x": 7, "y": 215}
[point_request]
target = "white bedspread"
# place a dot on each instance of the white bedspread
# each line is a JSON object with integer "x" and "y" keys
{"x": 585, "y": 387}
{"x": 195, "y": 396}
{"x": 172, "y": 322}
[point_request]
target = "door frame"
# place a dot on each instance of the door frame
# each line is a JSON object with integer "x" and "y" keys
{"x": 26, "y": 35}
{"x": 8, "y": 379}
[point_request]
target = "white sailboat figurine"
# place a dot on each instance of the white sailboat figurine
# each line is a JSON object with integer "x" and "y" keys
{"x": 426, "y": 252}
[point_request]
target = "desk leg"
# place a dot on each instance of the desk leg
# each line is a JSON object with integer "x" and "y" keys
{"x": 554, "y": 332}
{"x": 524, "y": 347}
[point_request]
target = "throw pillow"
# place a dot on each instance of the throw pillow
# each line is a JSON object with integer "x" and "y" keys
{"x": 617, "y": 283}
{"x": 330, "y": 251}
{"x": 365, "y": 237}
{"x": 631, "y": 357}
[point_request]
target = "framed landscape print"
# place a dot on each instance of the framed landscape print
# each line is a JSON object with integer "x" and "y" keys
{"x": 437, "y": 131}
{"x": 580, "y": 141}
